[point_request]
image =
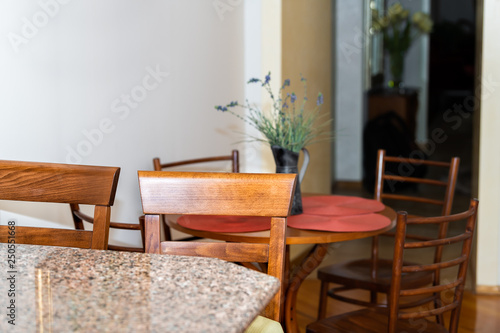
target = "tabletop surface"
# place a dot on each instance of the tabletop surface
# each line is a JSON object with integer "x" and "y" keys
{"x": 77, "y": 290}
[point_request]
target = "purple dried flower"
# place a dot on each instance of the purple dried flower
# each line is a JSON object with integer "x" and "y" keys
{"x": 293, "y": 98}
{"x": 268, "y": 78}
{"x": 221, "y": 108}
{"x": 286, "y": 83}
{"x": 319, "y": 101}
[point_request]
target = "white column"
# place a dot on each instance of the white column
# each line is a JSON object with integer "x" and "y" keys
{"x": 488, "y": 232}
{"x": 271, "y": 61}
{"x": 349, "y": 90}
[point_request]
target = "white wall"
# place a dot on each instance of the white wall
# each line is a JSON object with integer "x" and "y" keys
{"x": 416, "y": 70}
{"x": 66, "y": 84}
{"x": 349, "y": 90}
{"x": 253, "y": 68}
{"x": 488, "y": 254}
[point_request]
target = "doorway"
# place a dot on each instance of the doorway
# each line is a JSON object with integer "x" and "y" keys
{"x": 451, "y": 83}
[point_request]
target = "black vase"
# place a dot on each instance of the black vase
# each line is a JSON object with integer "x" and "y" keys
{"x": 287, "y": 162}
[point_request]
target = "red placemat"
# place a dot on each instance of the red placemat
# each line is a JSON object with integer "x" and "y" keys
{"x": 337, "y": 205}
{"x": 225, "y": 223}
{"x": 355, "y": 223}
{"x": 325, "y": 213}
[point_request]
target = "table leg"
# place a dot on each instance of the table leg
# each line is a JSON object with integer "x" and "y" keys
{"x": 299, "y": 274}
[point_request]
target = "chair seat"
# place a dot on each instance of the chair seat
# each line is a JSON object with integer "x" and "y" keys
{"x": 371, "y": 321}
{"x": 356, "y": 274}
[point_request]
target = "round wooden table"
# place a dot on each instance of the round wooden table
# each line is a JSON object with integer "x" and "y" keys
{"x": 311, "y": 261}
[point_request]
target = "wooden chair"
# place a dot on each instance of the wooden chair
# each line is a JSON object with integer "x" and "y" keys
{"x": 60, "y": 183}
{"x": 374, "y": 274}
{"x": 198, "y": 165}
{"x": 79, "y": 217}
{"x": 185, "y": 193}
{"x": 440, "y": 297}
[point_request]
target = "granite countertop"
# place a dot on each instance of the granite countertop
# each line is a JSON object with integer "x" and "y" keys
{"x": 74, "y": 290}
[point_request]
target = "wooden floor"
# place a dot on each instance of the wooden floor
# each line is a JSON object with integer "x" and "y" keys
{"x": 480, "y": 313}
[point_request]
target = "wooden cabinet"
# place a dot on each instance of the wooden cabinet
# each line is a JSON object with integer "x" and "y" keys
{"x": 404, "y": 102}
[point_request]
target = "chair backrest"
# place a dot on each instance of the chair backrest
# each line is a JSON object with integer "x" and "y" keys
{"x": 406, "y": 168}
{"x": 444, "y": 295}
{"x": 197, "y": 165}
{"x": 440, "y": 192}
{"x": 188, "y": 193}
{"x": 60, "y": 183}
{"x": 233, "y": 158}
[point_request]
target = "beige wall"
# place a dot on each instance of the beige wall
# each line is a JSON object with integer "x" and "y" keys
{"x": 306, "y": 49}
{"x": 488, "y": 256}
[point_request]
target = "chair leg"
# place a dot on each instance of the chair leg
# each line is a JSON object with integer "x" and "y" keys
{"x": 439, "y": 317}
{"x": 373, "y": 297}
{"x": 323, "y": 299}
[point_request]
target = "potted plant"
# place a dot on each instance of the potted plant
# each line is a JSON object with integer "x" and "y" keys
{"x": 288, "y": 127}
{"x": 399, "y": 30}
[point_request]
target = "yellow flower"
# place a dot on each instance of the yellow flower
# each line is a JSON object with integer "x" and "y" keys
{"x": 405, "y": 14}
{"x": 384, "y": 22}
{"x": 395, "y": 10}
{"x": 376, "y": 26}
{"x": 422, "y": 21}
{"x": 397, "y": 14}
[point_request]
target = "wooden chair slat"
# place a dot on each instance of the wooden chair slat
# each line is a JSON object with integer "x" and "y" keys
{"x": 412, "y": 236}
{"x": 428, "y": 313}
{"x": 412, "y": 198}
{"x": 224, "y": 251}
{"x": 49, "y": 182}
{"x": 434, "y": 242}
{"x": 49, "y": 236}
{"x": 233, "y": 158}
{"x": 416, "y": 180}
{"x": 433, "y": 289}
{"x": 220, "y": 197}
{"x": 436, "y": 219}
{"x": 414, "y": 161}
{"x": 435, "y": 266}
{"x": 125, "y": 248}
